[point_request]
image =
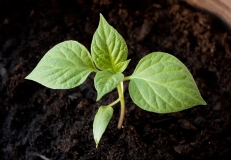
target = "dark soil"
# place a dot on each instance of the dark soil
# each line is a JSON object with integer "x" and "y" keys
{"x": 39, "y": 123}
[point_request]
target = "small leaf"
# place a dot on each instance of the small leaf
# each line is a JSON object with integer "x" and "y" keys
{"x": 163, "y": 84}
{"x": 120, "y": 67}
{"x": 108, "y": 48}
{"x": 101, "y": 121}
{"x": 106, "y": 81}
{"x": 65, "y": 66}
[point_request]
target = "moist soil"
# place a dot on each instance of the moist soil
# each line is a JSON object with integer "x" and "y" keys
{"x": 40, "y": 123}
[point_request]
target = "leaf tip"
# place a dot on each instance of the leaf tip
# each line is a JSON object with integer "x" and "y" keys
{"x": 102, "y": 20}
{"x": 28, "y": 77}
{"x": 98, "y": 98}
{"x": 203, "y": 102}
{"x": 100, "y": 15}
{"x": 96, "y": 144}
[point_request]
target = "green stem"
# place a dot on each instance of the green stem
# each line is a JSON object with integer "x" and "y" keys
{"x": 113, "y": 103}
{"x": 126, "y": 78}
{"x": 122, "y": 111}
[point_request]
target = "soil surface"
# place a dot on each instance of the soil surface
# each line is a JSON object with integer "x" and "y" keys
{"x": 40, "y": 123}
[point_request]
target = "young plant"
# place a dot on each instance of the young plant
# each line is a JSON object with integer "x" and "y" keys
{"x": 160, "y": 82}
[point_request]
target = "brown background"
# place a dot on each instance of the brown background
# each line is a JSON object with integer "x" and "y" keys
{"x": 39, "y": 122}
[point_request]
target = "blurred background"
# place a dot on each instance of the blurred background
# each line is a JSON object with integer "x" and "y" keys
{"x": 40, "y": 123}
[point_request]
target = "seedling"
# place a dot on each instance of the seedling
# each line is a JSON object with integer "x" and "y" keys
{"x": 160, "y": 82}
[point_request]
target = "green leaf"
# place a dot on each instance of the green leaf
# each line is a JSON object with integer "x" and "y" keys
{"x": 120, "y": 67}
{"x": 106, "y": 81}
{"x": 163, "y": 84}
{"x": 108, "y": 48}
{"x": 101, "y": 121}
{"x": 65, "y": 66}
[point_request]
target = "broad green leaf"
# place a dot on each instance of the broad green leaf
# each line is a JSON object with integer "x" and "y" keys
{"x": 108, "y": 48}
{"x": 106, "y": 81}
{"x": 65, "y": 66}
{"x": 163, "y": 84}
{"x": 101, "y": 121}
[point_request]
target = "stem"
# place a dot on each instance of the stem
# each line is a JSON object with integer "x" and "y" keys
{"x": 122, "y": 111}
{"x": 126, "y": 78}
{"x": 113, "y": 103}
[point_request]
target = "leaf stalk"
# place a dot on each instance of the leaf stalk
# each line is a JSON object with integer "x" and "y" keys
{"x": 113, "y": 103}
{"x": 126, "y": 78}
